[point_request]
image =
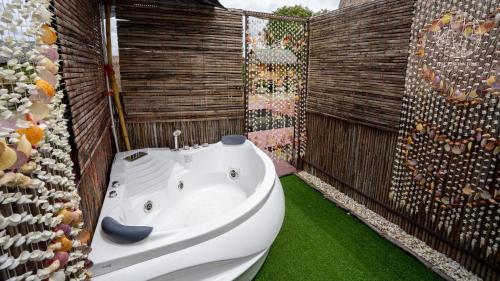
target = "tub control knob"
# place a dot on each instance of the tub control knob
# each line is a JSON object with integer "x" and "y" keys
{"x": 205, "y": 144}
{"x": 196, "y": 146}
{"x": 112, "y": 194}
{"x": 115, "y": 184}
{"x": 186, "y": 147}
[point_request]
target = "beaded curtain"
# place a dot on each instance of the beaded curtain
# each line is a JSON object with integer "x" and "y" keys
{"x": 275, "y": 85}
{"x": 446, "y": 173}
{"x": 41, "y": 233}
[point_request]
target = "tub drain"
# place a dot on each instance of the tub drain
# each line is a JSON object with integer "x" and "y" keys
{"x": 234, "y": 174}
{"x": 148, "y": 206}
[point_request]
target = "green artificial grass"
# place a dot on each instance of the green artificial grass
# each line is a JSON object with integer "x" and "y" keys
{"x": 319, "y": 241}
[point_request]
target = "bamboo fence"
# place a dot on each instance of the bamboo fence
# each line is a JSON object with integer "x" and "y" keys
{"x": 82, "y": 69}
{"x": 349, "y": 3}
{"x": 356, "y": 81}
{"x": 357, "y": 60}
{"x": 194, "y": 131}
{"x": 358, "y": 63}
{"x": 180, "y": 66}
{"x": 94, "y": 180}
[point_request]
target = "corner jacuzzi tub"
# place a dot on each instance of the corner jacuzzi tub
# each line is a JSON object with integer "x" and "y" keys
{"x": 209, "y": 213}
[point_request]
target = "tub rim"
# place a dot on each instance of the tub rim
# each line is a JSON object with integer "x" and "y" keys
{"x": 171, "y": 241}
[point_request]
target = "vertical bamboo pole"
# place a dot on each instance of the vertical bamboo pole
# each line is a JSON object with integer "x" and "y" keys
{"x": 246, "y": 74}
{"x": 114, "y": 86}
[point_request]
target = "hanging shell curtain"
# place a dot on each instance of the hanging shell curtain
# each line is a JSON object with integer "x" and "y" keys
{"x": 446, "y": 173}
{"x": 275, "y": 85}
{"x": 41, "y": 232}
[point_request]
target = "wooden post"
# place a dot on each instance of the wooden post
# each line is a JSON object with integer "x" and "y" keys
{"x": 116, "y": 93}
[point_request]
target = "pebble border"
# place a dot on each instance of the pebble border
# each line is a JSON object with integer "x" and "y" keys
{"x": 444, "y": 266}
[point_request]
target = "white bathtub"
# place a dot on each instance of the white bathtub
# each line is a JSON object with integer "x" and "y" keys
{"x": 215, "y": 211}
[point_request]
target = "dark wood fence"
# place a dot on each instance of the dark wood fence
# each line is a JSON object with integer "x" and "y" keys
{"x": 79, "y": 28}
{"x": 358, "y": 61}
{"x": 181, "y": 67}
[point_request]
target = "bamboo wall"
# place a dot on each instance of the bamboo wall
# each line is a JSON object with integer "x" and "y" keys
{"x": 357, "y": 64}
{"x": 83, "y": 75}
{"x": 159, "y": 134}
{"x": 358, "y": 61}
{"x": 355, "y": 158}
{"x": 349, "y": 3}
{"x": 94, "y": 180}
{"x": 181, "y": 68}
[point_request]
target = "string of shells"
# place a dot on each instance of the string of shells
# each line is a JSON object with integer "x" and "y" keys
{"x": 446, "y": 173}
{"x": 41, "y": 235}
{"x": 276, "y": 64}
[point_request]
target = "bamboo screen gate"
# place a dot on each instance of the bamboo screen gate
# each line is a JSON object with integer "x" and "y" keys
{"x": 181, "y": 68}
{"x": 82, "y": 69}
{"x": 275, "y": 84}
{"x": 444, "y": 186}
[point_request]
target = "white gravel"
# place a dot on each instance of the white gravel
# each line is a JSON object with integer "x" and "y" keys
{"x": 436, "y": 261}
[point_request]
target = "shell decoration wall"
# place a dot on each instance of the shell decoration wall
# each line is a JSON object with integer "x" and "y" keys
{"x": 41, "y": 235}
{"x": 446, "y": 174}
